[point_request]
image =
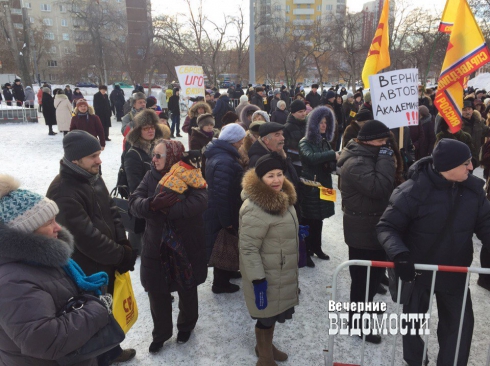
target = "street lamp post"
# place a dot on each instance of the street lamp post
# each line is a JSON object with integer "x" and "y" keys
{"x": 251, "y": 47}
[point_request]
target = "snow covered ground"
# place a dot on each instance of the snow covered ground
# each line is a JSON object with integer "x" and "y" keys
{"x": 224, "y": 334}
{"x": 481, "y": 81}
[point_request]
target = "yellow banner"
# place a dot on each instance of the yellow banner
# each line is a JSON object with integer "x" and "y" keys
{"x": 328, "y": 194}
{"x": 466, "y": 53}
{"x": 448, "y": 16}
{"x": 378, "y": 57}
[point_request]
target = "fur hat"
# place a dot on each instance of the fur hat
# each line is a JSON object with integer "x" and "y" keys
{"x": 232, "y": 133}
{"x": 449, "y": 154}
{"x": 150, "y": 102}
{"x": 297, "y": 105}
{"x": 21, "y": 209}
{"x": 245, "y": 110}
{"x": 277, "y": 91}
{"x": 45, "y": 89}
{"x": 350, "y": 95}
{"x": 262, "y": 113}
{"x": 194, "y": 109}
{"x": 147, "y": 117}
{"x": 313, "y": 124}
{"x": 205, "y": 119}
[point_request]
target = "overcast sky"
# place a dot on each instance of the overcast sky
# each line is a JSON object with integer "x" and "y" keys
{"x": 214, "y": 9}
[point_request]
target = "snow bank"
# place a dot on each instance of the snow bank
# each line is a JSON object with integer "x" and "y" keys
{"x": 481, "y": 81}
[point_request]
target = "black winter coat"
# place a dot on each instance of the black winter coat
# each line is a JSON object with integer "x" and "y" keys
{"x": 49, "y": 111}
{"x": 223, "y": 176}
{"x": 136, "y": 163}
{"x": 351, "y": 132}
{"x": 174, "y": 105}
{"x": 294, "y": 131}
{"x": 314, "y": 99}
{"x": 367, "y": 183}
{"x": 117, "y": 102}
{"x": 69, "y": 94}
{"x": 280, "y": 116}
{"x": 186, "y": 217}
{"x": 222, "y": 106}
{"x": 417, "y": 212}
{"x": 285, "y": 96}
{"x": 199, "y": 141}
{"x": 258, "y": 101}
{"x": 102, "y": 108}
{"x": 7, "y": 94}
{"x": 18, "y": 92}
{"x": 89, "y": 213}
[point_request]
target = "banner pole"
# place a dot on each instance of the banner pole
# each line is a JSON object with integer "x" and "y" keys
{"x": 400, "y": 140}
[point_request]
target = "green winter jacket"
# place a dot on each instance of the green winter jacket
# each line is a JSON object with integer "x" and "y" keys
{"x": 315, "y": 160}
{"x": 268, "y": 243}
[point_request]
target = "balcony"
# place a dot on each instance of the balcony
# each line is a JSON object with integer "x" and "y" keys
{"x": 303, "y": 21}
{"x": 303, "y": 1}
{"x": 303, "y": 11}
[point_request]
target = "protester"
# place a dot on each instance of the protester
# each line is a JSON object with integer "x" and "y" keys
{"x": 174, "y": 108}
{"x": 229, "y": 117}
{"x": 7, "y": 93}
{"x": 138, "y": 103}
{"x": 202, "y": 135}
{"x": 258, "y": 98}
{"x": 250, "y": 138}
{"x": 63, "y": 112}
{"x": 280, "y": 115}
{"x": 313, "y": 97}
{"x": 423, "y": 136}
{"x": 89, "y": 213}
{"x": 243, "y": 102}
{"x": 294, "y": 131}
{"x": 40, "y": 99}
{"x": 85, "y": 119}
{"x": 246, "y": 115}
{"x": 49, "y": 111}
{"x": 473, "y": 124}
{"x": 103, "y": 109}
{"x": 67, "y": 91}
{"x": 363, "y": 201}
{"x": 269, "y": 229}
{"x": 36, "y": 272}
{"x": 185, "y": 216}
{"x": 352, "y": 130}
{"x": 18, "y": 93}
{"x": 77, "y": 94}
{"x": 194, "y": 112}
{"x": 223, "y": 176}
{"x": 220, "y": 109}
{"x": 117, "y": 101}
{"x": 30, "y": 97}
{"x": 317, "y": 158}
{"x": 431, "y": 219}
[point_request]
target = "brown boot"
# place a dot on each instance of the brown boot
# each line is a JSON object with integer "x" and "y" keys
{"x": 278, "y": 355}
{"x": 264, "y": 347}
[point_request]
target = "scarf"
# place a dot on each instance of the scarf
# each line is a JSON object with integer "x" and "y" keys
{"x": 91, "y": 177}
{"x": 91, "y": 283}
{"x": 209, "y": 135}
{"x": 174, "y": 151}
{"x": 80, "y": 114}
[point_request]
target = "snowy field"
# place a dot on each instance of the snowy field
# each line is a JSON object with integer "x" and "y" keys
{"x": 224, "y": 334}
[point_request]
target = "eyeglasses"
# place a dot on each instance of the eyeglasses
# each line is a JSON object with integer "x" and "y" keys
{"x": 158, "y": 156}
{"x": 148, "y": 128}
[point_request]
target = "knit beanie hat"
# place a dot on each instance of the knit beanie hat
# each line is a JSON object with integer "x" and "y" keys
{"x": 297, "y": 105}
{"x": 243, "y": 99}
{"x": 150, "y": 102}
{"x": 330, "y": 94}
{"x": 367, "y": 97}
{"x": 262, "y": 113}
{"x": 269, "y": 162}
{"x": 81, "y": 102}
{"x": 424, "y": 111}
{"x": 77, "y": 144}
{"x": 205, "y": 119}
{"x": 232, "y": 133}
{"x": 45, "y": 89}
{"x": 449, "y": 154}
{"x": 364, "y": 115}
{"x": 373, "y": 130}
{"x": 350, "y": 95}
{"x": 21, "y": 209}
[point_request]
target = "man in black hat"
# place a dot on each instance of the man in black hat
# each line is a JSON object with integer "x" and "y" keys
{"x": 313, "y": 97}
{"x": 295, "y": 130}
{"x": 258, "y": 98}
{"x": 431, "y": 219}
{"x": 473, "y": 124}
{"x": 18, "y": 92}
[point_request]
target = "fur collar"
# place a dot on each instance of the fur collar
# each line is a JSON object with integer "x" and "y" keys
{"x": 243, "y": 114}
{"x": 146, "y": 146}
{"x": 272, "y": 202}
{"x": 90, "y": 111}
{"x": 33, "y": 248}
{"x": 193, "y": 109}
{"x": 313, "y": 125}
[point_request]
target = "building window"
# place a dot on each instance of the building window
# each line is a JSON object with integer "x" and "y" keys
{"x": 27, "y": 5}
{"x": 48, "y": 21}
{"x": 64, "y": 23}
{"x": 277, "y": 7}
{"x": 308, "y": 6}
{"x": 319, "y": 8}
{"x": 66, "y": 37}
{"x": 16, "y": 11}
{"x": 318, "y": 18}
{"x": 287, "y": 19}
{"x": 49, "y": 35}
{"x": 67, "y": 50}
{"x": 18, "y": 26}
{"x": 298, "y": 6}
{"x": 307, "y": 16}
{"x": 53, "y": 49}
{"x": 52, "y": 63}
{"x": 330, "y": 7}
{"x": 52, "y": 77}
{"x": 45, "y": 7}
{"x": 32, "y": 20}
{"x": 63, "y": 8}
{"x": 297, "y": 17}
{"x": 288, "y": 8}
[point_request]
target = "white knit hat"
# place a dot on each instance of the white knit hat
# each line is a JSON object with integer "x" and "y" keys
{"x": 232, "y": 133}
{"x": 23, "y": 210}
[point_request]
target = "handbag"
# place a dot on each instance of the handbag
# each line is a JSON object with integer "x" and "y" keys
{"x": 225, "y": 254}
{"x": 130, "y": 222}
{"x": 407, "y": 287}
{"x": 104, "y": 340}
{"x": 124, "y": 305}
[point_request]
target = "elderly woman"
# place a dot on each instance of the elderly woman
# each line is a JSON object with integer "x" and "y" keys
{"x": 280, "y": 115}
{"x": 49, "y": 111}
{"x": 318, "y": 159}
{"x": 185, "y": 217}
{"x": 37, "y": 277}
{"x": 137, "y": 160}
{"x": 223, "y": 176}
{"x": 269, "y": 251}
{"x": 63, "y": 111}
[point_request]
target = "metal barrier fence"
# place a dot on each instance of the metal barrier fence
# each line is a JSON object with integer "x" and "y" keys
{"x": 328, "y": 354}
{"x": 18, "y": 114}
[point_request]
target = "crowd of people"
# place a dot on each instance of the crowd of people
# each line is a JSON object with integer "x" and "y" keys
{"x": 253, "y": 187}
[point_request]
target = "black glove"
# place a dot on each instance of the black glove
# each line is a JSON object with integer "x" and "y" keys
{"x": 404, "y": 267}
{"x": 163, "y": 200}
{"x": 128, "y": 260}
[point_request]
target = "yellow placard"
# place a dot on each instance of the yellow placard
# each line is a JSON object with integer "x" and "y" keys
{"x": 352, "y": 114}
{"x": 328, "y": 194}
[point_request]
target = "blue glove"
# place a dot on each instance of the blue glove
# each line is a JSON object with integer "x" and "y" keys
{"x": 260, "y": 290}
{"x": 304, "y": 231}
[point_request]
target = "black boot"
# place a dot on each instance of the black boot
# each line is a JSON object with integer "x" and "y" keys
{"x": 322, "y": 255}
{"x": 309, "y": 262}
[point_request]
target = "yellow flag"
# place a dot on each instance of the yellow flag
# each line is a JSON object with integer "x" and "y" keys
{"x": 466, "y": 53}
{"x": 448, "y": 16}
{"x": 378, "y": 56}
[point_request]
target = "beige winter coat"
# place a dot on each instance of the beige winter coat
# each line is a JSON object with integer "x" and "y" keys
{"x": 63, "y": 112}
{"x": 269, "y": 244}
